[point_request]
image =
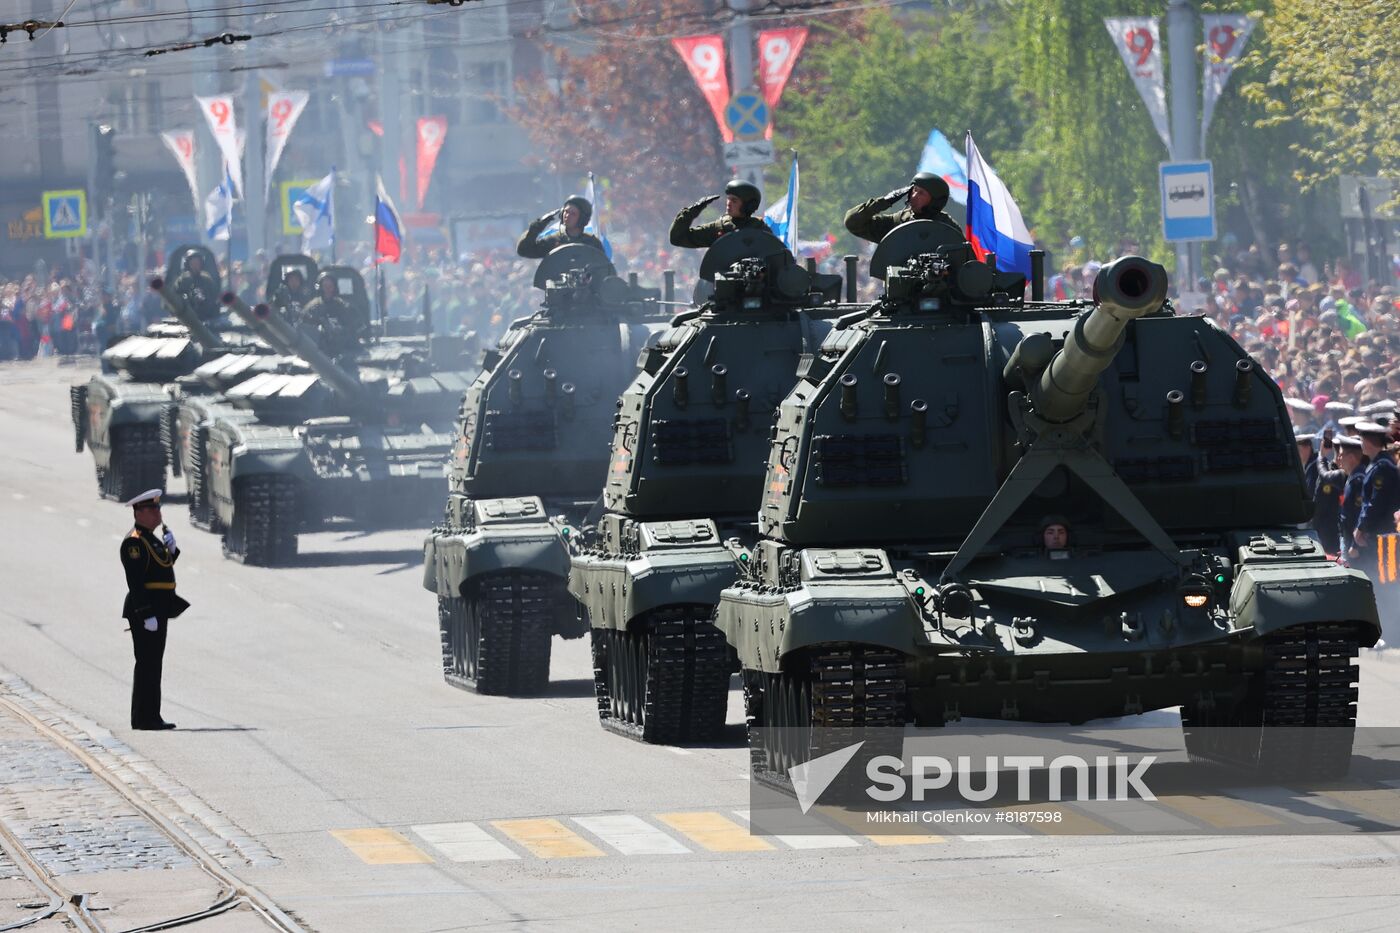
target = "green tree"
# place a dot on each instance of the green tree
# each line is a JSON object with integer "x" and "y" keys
{"x": 1330, "y": 71}
{"x": 864, "y": 96}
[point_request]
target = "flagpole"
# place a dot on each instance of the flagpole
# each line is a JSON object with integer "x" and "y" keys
{"x": 374, "y": 257}
{"x": 330, "y": 200}
{"x": 228, "y": 256}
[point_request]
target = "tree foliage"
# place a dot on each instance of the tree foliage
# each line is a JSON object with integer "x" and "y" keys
{"x": 1332, "y": 71}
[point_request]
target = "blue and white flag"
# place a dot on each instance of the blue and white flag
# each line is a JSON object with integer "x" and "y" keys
{"x": 315, "y": 211}
{"x": 218, "y": 209}
{"x": 941, "y": 159}
{"x": 595, "y": 223}
{"x": 781, "y": 218}
{"x": 994, "y": 222}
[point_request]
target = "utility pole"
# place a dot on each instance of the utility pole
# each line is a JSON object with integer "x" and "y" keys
{"x": 390, "y": 113}
{"x": 741, "y": 71}
{"x": 254, "y": 167}
{"x": 1185, "y": 120}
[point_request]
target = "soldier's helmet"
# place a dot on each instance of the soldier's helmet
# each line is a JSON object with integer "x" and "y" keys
{"x": 749, "y": 196}
{"x": 584, "y": 207}
{"x": 321, "y": 281}
{"x": 287, "y": 278}
{"x": 193, "y": 257}
{"x": 935, "y": 186}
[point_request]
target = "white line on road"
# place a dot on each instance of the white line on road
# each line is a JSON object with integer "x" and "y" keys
{"x": 631, "y": 835}
{"x": 464, "y": 842}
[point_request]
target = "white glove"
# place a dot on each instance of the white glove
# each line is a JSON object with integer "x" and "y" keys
{"x": 169, "y": 540}
{"x": 151, "y": 624}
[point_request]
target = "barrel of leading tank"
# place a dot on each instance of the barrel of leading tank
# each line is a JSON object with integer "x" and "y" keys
{"x": 293, "y": 341}
{"x": 1125, "y": 289}
{"x": 175, "y": 304}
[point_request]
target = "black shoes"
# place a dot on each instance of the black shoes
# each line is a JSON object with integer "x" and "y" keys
{"x": 159, "y": 724}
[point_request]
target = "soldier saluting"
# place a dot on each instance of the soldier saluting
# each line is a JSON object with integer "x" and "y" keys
{"x": 741, "y": 200}
{"x": 572, "y": 217}
{"x": 198, "y": 288}
{"x": 926, "y": 195}
{"x": 151, "y": 602}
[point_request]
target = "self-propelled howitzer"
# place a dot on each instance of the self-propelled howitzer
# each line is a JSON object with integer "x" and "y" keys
{"x": 905, "y": 577}
{"x": 530, "y": 457}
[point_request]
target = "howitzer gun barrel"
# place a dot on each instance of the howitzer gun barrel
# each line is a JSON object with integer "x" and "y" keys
{"x": 293, "y": 341}
{"x": 1125, "y": 289}
{"x": 175, "y": 304}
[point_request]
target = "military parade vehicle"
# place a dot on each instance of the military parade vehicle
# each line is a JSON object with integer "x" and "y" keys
{"x": 688, "y": 448}
{"x": 122, "y": 417}
{"x": 530, "y": 454}
{"x": 901, "y": 577}
{"x": 367, "y": 440}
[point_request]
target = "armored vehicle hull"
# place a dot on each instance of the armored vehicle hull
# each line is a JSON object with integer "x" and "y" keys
{"x": 529, "y": 456}
{"x": 688, "y": 446}
{"x": 902, "y": 578}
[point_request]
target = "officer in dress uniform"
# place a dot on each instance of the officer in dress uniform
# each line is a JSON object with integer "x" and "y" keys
{"x": 1380, "y": 497}
{"x": 151, "y": 602}
{"x": 1353, "y": 462}
{"x": 1327, "y": 490}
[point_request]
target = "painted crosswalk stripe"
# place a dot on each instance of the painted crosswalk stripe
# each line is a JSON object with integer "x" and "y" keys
{"x": 1072, "y": 822}
{"x": 714, "y": 832}
{"x": 1218, "y": 812}
{"x": 381, "y": 846}
{"x": 1376, "y": 803}
{"x": 1141, "y": 816}
{"x": 829, "y": 840}
{"x": 464, "y": 842}
{"x": 631, "y": 835}
{"x": 548, "y": 838}
{"x": 1293, "y": 806}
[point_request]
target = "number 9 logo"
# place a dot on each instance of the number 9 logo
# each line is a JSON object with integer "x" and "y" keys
{"x": 775, "y": 55}
{"x": 221, "y": 111}
{"x": 706, "y": 58}
{"x": 1140, "y": 44}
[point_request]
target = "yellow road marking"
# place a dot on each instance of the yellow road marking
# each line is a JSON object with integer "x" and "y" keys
{"x": 1378, "y": 803}
{"x": 856, "y": 820}
{"x": 1220, "y": 812}
{"x": 714, "y": 832}
{"x": 381, "y": 846}
{"x": 548, "y": 838}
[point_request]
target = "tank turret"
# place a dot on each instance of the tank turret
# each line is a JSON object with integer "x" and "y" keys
{"x": 293, "y": 341}
{"x": 175, "y": 304}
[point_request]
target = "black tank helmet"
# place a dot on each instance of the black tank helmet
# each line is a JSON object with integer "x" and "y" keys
{"x": 325, "y": 277}
{"x": 584, "y": 206}
{"x": 749, "y": 196}
{"x": 935, "y": 186}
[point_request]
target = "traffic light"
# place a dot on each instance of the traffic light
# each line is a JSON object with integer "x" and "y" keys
{"x": 104, "y": 161}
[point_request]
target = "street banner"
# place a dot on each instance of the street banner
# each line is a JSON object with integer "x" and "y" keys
{"x": 223, "y": 124}
{"x": 1226, "y": 35}
{"x": 704, "y": 56}
{"x": 777, "y": 54}
{"x": 284, "y": 108}
{"x": 432, "y": 131}
{"x": 182, "y": 146}
{"x": 1140, "y": 44}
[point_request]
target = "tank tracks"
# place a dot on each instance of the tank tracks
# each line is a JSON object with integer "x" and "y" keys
{"x": 498, "y": 641}
{"x": 1298, "y": 718}
{"x": 197, "y": 481}
{"x": 665, "y": 681}
{"x": 137, "y": 463}
{"x": 824, "y": 706}
{"x": 170, "y": 436}
{"x": 265, "y": 522}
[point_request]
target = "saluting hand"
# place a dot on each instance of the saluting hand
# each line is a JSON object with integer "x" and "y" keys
{"x": 169, "y": 539}
{"x": 551, "y": 216}
{"x": 896, "y": 194}
{"x": 701, "y": 204}
{"x": 151, "y": 624}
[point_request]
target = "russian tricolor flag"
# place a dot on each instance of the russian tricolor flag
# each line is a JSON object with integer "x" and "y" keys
{"x": 388, "y": 229}
{"x": 994, "y": 223}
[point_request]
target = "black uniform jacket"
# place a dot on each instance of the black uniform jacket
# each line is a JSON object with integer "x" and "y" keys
{"x": 704, "y": 236}
{"x": 150, "y": 578}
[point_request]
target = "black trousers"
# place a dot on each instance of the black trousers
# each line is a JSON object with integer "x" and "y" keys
{"x": 149, "y": 648}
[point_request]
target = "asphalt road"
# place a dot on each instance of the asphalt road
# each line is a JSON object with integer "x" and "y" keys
{"x": 313, "y": 716}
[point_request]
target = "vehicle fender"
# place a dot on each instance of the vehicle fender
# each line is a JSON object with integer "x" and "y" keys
{"x": 765, "y": 628}
{"x": 452, "y": 560}
{"x": 617, "y": 590}
{"x": 1271, "y": 597}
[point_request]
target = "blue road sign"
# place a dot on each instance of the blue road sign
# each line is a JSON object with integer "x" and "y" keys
{"x": 747, "y": 115}
{"x": 65, "y": 214}
{"x": 349, "y": 68}
{"x": 1188, "y": 201}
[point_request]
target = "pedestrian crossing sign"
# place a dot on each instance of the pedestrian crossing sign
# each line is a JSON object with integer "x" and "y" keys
{"x": 65, "y": 214}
